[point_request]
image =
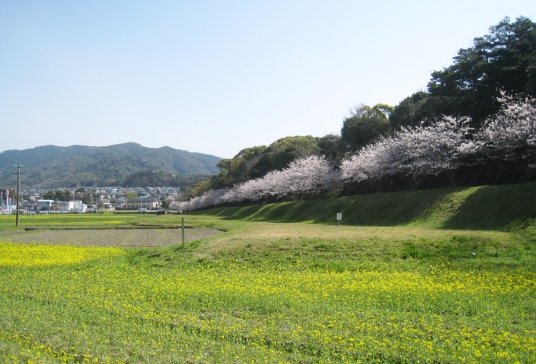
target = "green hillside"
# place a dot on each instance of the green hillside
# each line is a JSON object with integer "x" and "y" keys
{"x": 146, "y": 178}
{"x": 53, "y": 166}
{"x": 504, "y": 207}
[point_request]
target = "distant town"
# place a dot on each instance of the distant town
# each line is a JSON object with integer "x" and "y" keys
{"x": 88, "y": 199}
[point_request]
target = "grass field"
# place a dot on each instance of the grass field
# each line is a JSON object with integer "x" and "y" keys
{"x": 266, "y": 292}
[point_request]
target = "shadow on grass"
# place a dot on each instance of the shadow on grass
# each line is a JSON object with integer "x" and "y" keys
{"x": 505, "y": 207}
{"x": 385, "y": 209}
{"x": 511, "y": 207}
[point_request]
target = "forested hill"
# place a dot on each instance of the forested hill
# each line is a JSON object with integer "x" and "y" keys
{"x": 78, "y": 165}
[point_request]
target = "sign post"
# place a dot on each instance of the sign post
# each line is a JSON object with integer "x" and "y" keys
{"x": 339, "y": 218}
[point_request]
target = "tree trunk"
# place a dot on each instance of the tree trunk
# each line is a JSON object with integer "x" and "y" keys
{"x": 451, "y": 176}
{"x": 376, "y": 184}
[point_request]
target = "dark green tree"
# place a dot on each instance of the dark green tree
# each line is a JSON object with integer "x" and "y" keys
{"x": 505, "y": 60}
{"x": 49, "y": 195}
{"x": 332, "y": 148}
{"x": 238, "y": 168}
{"x": 256, "y": 161}
{"x": 365, "y": 125}
{"x": 280, "y": 153}
{"x": 165, "y": 204}
{"x": 414, "y": 109}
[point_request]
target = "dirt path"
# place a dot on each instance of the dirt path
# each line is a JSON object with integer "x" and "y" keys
{"x": 126, "y": 238}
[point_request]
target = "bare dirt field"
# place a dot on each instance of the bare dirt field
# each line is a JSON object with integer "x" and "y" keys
{"x": 113, "y": 237}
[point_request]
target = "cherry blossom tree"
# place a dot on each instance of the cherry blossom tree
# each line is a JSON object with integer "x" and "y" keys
{"x": 310, "y": 175}
{"x": 372, "y": 163}
{"x": 511, "y": 134}
{"x": 303, "y": 176}
{"x": 429, "y": 150}
{"x": 179, "y": 205}
{"x": 414, "y": 152}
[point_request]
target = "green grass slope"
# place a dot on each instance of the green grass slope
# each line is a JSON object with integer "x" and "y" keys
{"x": 505, "y": 207}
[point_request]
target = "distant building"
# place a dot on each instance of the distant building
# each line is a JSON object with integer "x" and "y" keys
{"x": 71, "y": 206}
{"x": 139, "y": 202}
{"x": 106, "y": 204}
{"x": 44, "y": 205}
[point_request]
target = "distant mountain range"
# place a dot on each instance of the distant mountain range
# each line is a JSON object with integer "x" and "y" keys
{"x": 76, "y": 166}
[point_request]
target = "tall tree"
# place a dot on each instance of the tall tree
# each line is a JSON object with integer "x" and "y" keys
{"x": 413, "y": 110}
{"x": 365, "y": 125}
{"x": 282, "y": 152}
{"x": 332, "y": 148}
{"x": 257, "y": 161}
{"x": 505, "y": 60}
{"x": 238, "y": 168}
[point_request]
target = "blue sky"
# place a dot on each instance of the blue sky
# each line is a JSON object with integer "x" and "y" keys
{"x": 215, "y": 77}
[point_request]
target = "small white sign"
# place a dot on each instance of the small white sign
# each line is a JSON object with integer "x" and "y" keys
{"x": 339, "y": 216}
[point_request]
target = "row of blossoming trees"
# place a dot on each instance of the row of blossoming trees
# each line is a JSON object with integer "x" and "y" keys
{"x": 411, "y": 153}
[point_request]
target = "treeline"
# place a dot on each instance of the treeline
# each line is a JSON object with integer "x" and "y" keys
{"x": 410, "y": 155}
{"x": 255, "y": 162}
{"x": 413, "y": 144}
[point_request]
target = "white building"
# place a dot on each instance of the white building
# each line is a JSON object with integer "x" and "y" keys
{"x": 44, "y": 205}
{"x": 71, "y": 206}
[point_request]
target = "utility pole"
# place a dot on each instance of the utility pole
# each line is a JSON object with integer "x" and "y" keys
{"x": 18, "y": 191}
{"x": 182, "y": 232}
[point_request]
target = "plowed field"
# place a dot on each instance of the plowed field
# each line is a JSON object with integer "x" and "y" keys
{"x": 111, "y": 237}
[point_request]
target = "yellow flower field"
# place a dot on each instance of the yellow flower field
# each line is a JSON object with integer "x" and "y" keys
{"x": 55, "y": 309}
{"x": 35, "y": 255}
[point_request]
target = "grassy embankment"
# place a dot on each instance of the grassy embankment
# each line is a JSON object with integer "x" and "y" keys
{"x": 510, "y": 207}
{"x": 451, "y": 279}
